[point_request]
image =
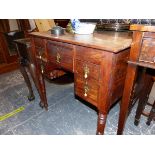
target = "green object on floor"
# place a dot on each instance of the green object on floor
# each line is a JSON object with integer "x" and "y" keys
{"x": 2, "y": 118}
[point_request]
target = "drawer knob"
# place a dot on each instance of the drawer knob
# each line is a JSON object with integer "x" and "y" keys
{"x": 86, "y": 89}
{"x": 86, "y": 72}
{"x": 58, "y": 58}
{"x": 42, "y": 69}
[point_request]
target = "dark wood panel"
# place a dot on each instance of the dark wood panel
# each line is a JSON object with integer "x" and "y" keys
{"x": 87, "y": 70}
{"x": 8, "y": 67}
{"x": 88, "y": 90}
{"x": 147, "y": 53}
{"x": 89, "y": 54}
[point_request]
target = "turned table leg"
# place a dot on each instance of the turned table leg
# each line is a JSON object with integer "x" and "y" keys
{"x": 42, "y": 91}
{"x": 101, "y": 123}
{"x": 128, "y": 89}
{"x": 41, "y": 85}
{"x": 27, "y": 80}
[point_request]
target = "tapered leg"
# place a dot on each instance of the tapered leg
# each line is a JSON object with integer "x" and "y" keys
{"x": 36, "y": 73}
{"x": 101, "y": 123}
{"x": 42, "y": 91}
{"x": 28, "y": 83}
{"x": 128, "y": 89}
{"x": 38, "y": 70}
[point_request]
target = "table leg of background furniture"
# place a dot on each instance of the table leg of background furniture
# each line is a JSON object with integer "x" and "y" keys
{"x": 148, "y": 83}
{"x": 101, "y": 123}
{"x": 128, "y": 90}
{"x": 27, "y": 80}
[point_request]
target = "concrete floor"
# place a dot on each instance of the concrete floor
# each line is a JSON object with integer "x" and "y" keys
{"x": 66, "y": 115}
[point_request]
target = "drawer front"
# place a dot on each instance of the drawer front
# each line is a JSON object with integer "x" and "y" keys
{"x": 61, "y": 53}
{"x": 89, "y": 54}
{"x": 147, "y": 53}
{"x": 39, "y": 42}
{"x": 88, "y": 90}
{"x": 54, "y": 47}
{"x": 87, "y": 70}
{"x": 67, "y": 49}
{"x": 65, "y": 62}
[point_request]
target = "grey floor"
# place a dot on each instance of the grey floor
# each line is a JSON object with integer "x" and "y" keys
{"x": 66, "y": 115}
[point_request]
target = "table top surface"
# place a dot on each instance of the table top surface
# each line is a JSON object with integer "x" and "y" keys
{"x": 106, "y": 40}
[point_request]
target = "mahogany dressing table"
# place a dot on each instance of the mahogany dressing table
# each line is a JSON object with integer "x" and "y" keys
{"x": 98, "y": 62}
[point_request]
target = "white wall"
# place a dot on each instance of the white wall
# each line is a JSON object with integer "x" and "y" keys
{"x": 13, "y": 24}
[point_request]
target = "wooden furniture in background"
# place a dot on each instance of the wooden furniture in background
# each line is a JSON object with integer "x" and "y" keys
{"x": 10, "y": 62}
{"x": 25, "y": 59}
{"x": 8, "y": 52}
{"x": 23, "y": 24}
{"x": 98, "y": 62}
{"x": 142, "y": 54}
{"x": 61, "y": 22}
{"x": 143, "y": 100}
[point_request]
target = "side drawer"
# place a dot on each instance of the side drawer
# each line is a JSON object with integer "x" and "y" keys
{"x": 89, "y": 90}
{"x": 147, "y": 53}
{"x": 61, "y": 54}
{"x": 54, "y": 47}
{"x": 86, "y": 53}
{"x": 87, "y": 70}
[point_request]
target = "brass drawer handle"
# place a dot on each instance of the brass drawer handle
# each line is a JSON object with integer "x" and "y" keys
{"x": 86, "y": 72}
{"x": 58, "y": 58}
{"x": 42, "y": 69}
{"x": 86, "y": 89}
{"x": 41, "y": 58}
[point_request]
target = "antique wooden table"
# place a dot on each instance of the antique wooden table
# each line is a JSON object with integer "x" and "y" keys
{"x": 23, "y": 47}
{"x": 98, "y": 62}
{"x": 142, "y": 54}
